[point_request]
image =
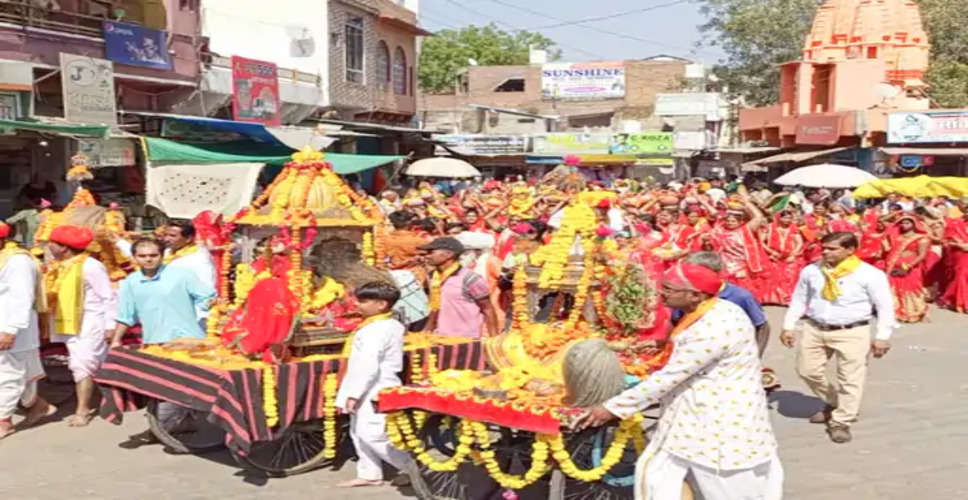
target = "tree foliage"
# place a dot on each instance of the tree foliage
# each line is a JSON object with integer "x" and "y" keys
{"x": 442, "y": 56}
{"x": 758, "y": 35}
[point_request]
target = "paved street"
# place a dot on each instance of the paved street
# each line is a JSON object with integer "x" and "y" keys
{"x": 910, "y": 442}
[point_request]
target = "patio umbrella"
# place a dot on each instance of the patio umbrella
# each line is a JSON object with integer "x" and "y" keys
{"x": 442, "y": 167}
{"x": 826, "y": 175}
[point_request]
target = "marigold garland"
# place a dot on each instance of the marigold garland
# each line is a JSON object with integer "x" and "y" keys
{"x": 402, "y": 436}
{"x": 330, "y": 387}
{"x": 369, "y": 256}
{"x": 437, "y": 283}
{"x": 519, "y": 293}
{"x": 270, "y": 405}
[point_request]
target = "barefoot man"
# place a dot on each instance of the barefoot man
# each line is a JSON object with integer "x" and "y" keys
{"x": 21, "y": 298}
{"x": 82, "y": 304}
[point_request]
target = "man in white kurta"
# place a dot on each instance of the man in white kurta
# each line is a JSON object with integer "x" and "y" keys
{"x": 181, "y": 250}
{"x": 88, "y": 348}
{"x": 374, "y": 364}
{"x": 20, "y": 366}
{"x": 715, "y": 426}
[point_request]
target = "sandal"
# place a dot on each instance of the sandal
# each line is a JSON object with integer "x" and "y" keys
{"x": 80, "y": 420}
{"x": 359, "y": 483}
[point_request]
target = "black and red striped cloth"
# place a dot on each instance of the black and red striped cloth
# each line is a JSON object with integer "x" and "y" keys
{"x": 129, "y": 378}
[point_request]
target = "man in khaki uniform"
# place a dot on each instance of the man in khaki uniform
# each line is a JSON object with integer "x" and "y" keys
{"x": 838, "y": 296}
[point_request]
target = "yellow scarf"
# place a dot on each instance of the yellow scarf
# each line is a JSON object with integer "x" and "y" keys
{"x": 11, "y": 249}
{"x": 437, "y": 282}
{"x": 66, "y": 294}
{"x": 831, "y": 290}
{"x": 181, "y": 252}
{"x": 348, "y": 346}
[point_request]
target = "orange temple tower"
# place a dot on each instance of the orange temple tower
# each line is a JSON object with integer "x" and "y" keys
{"x": 861, "y": 59}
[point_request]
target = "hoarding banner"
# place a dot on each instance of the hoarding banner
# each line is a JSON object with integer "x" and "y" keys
{"x": 644, "y": 143}
{"x": 927, "y": 127}
{"x": 689, "y": 104}
{"x": 563, "y": 144}
{"x": 584, "y": 80}
{"x": 107, "y": 152}
{"x": 88, "y": 87}
{"x": 136, "y": 45}
{"x": 255, "y": 91}
{"x": 820, "y": 130}
{"x": 485, "y": 144}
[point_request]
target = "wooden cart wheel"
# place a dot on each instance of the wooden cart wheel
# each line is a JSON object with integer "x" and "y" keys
{"x": 439, "y": 435}
{"x": 183, "y": 430}
{"x": 299, "y": 449}
{"x": 587, "y": 448}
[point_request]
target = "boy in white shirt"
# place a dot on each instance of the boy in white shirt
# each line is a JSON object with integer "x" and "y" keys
{"x": 374, "y": 364}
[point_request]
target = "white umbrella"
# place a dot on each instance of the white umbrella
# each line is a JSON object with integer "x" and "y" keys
{"x": 826, "y": 175}
{"x": 442, "y": 167}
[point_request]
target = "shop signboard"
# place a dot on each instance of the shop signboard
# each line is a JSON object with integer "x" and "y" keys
{"x": 107, "y": 152}
{"x": 927, "y": 127}
{"x": 485, "y": 144}
{"x": 584, "y": 80}
{"x": 689, "y": 104}
{"x": 88, "y": 87}
{"x": 571, "y": 143}
{"x": 136, "y": 45}
{"x": 255, "y": 91}
{"x": 643, "y": 143}
{"x": 821, "y": 130}
{"x": 692, "y": 140}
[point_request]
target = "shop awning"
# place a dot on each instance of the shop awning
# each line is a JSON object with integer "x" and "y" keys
{"x": 56, "y": 128}
{"x": 164, "y": 151}
{"x": 791, "y": 157}
{"x": 925, "y": 151}
{"x": 251, "y": 130}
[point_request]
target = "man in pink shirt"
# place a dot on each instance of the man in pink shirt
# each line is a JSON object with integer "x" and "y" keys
{"x": 459, "y": 297}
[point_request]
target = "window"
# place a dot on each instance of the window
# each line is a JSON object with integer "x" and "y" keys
{"x": 354, "y": 49}
{"x": 382, "y": 65}
{"x": 399, "y": 72}
{"x": 511, "y": 85}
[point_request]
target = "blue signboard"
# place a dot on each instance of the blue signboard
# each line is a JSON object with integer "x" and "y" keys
{"x": 133, "y": 44}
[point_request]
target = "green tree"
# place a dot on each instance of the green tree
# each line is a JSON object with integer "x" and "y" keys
{"x": 758, "y": 35}
{"x": 442, "y": 56}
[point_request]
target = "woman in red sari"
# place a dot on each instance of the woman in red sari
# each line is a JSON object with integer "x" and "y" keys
{"x": 783, "y": 243}
{"x": 871, "y": 249}
{"x": 676, "y": 235}
{"x": 696, "y": 217}
{"x": 745, "y": 262}
{"x": 815, "y": 228}
{"x": 907, "y": 250}
{"x": 956, "y": 255}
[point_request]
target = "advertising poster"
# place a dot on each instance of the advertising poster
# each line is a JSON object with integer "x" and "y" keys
{"x": 88, "y": 87}
{"x": 927, "y": 127}
{"x": 584, "y": 80}
{"x": 255, "y": 91}
{"x": 136, "y": 45}
{"x": 644, "y": 143}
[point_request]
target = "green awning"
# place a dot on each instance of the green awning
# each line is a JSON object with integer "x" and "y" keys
{"x": 164, "y": 151}
{"x": 38, "y": 126}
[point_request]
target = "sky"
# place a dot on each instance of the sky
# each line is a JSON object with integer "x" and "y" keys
{"x": 667, "y": 27}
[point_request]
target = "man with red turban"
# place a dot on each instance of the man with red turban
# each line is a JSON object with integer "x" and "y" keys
{"x": 712, "y": 383}
{"x": 82, "y": 305}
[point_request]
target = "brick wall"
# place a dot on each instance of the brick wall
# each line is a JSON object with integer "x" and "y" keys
{"x": 643, "y": 79}
{"x": 374, "y": 94}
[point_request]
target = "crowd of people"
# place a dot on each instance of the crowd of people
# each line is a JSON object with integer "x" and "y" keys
{"x": 452, "y": 250}
{"x": 764, "y": 237}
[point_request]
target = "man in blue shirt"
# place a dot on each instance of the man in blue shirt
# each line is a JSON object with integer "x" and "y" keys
{"x": 162, "y": 299}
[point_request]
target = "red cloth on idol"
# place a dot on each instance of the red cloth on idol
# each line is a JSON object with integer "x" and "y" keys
{"x": 265, "y": 320}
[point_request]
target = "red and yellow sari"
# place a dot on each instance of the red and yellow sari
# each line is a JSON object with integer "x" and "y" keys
{"x": 786, "y": 257}
{"x": 907, "y": 280}
{"x": 744, "y": 260}
{"x": 956, "y": 260}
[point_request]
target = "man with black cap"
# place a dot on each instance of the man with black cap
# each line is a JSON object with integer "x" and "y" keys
{"x": 459, "y": 297}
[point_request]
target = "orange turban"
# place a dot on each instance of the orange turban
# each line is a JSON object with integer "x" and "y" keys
{"x": 75, "y": 237}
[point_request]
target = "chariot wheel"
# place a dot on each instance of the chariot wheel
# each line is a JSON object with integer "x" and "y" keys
{"x": 183, "y": 430}
{"x": 298, "y": 449}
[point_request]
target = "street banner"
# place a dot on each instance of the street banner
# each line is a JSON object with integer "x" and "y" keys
{"x": 645, "y": 143}
{"x": 255, "y": 91}
{"x": 927, "y": 127}
{"x": 485, "y": 144}
{"x": 88, "y": 87}
{"x": 571, "y": 143}
{"x": 136, "y": 45}
{"x": 584, "y": 80}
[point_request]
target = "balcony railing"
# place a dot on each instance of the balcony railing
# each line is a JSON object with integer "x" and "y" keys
{"x": 292, "y": 75}
{"x": 24, "y": 13}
